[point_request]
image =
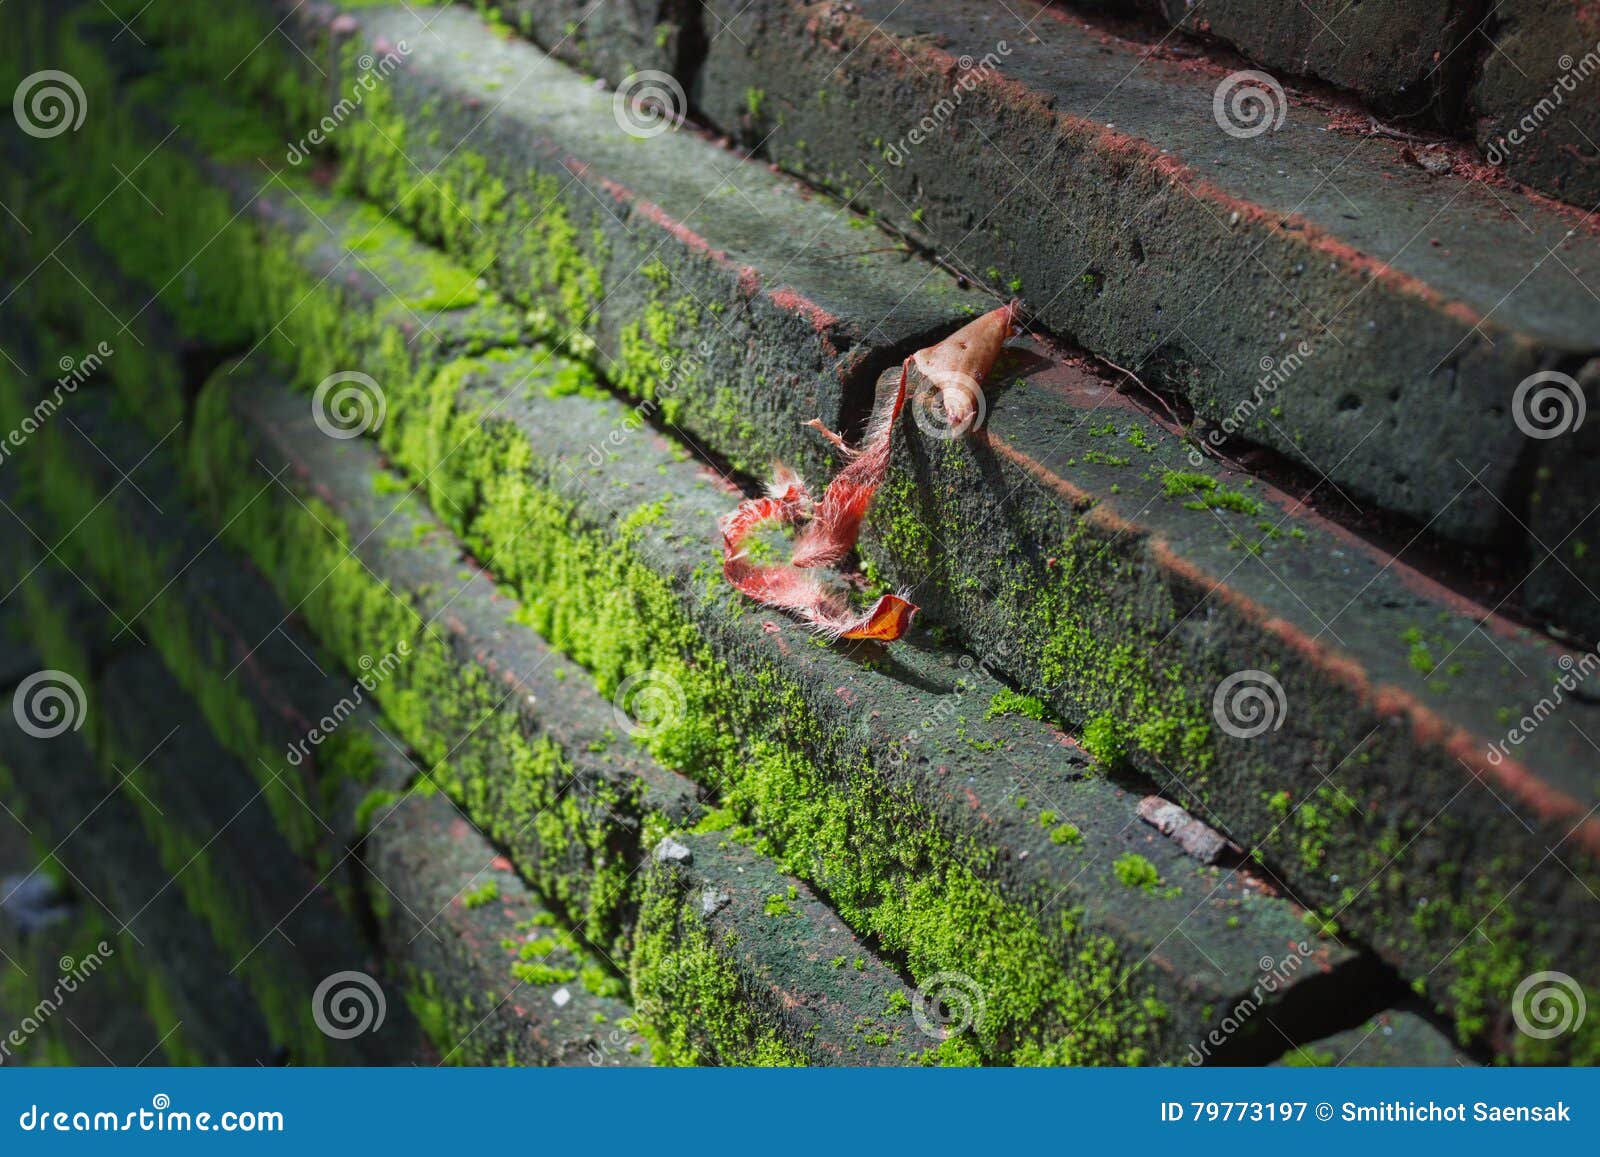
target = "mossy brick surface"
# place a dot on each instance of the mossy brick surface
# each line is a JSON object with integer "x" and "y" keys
{"x": 727, "y": 298}
{"x": 504, "y": 723}
{"x": 902, "y": 734}
{"x": 121, "y": 521}
{"x": 1096, "y": 182}
{"x": 270, "y": 915}
{"x": 613, "y": 39}
{"x": 1563, "y": 583}
{"x": 102, "y": 1019}
{"x": 88, "y": 835}
{"x": 1075, "y": 537}
{"x": 1539, "y": 82}
{"x": 1397, "y": 1038}
{"x": 492, "y": 977}
{"x": 739, "y": 964}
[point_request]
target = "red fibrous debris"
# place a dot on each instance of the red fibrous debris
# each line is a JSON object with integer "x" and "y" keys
{"x": 957, "y": 366}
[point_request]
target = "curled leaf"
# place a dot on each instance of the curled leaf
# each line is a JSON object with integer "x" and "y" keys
{"x": 959, "y": 365}
{"x": 797, "y": 589}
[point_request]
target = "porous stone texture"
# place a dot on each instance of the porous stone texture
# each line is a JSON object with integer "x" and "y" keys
{"x": 493, "y": 977}
{"x": 1072, "y": 874}
{"x": 1391, "y": 1038}
{"x": 606, "y": 765}
{"x": 128, "y": 974}
{"x": 1286, "y": 285}
{"x": 1536, "y": 103}
{"x": 1122, "y": 582}
{"x": 724, "y": 922}
{"x": 615, "y": 39}
{"x": 1406, "y": 56}
{"x": 723, "y": 296}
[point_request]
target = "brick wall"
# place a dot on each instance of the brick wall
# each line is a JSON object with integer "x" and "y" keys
{"x": 377, "y": 378}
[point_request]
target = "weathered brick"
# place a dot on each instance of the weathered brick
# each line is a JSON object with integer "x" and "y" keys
{"x": 736, "y": 960}
{"x": 1098, "y": 183}
{"x": 920, "y": 744}
{"x": 162, "y": 965}
{"x": 493, "y": 978}
{"x": 1128, "y": 585}
{"x": 1405, "y": 56}
{"x": 610, "y": 38}
{"x": 1396, "y": 1038}
{"x": 1536, "y": 103}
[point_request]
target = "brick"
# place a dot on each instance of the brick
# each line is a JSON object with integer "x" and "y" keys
{"x": 120, "y": 523}
{"x": 493, "y": 977}
{"x": 215, "y": 845}
{"x": 1395, "y": 1038}
{"x": 1534, "y": 104}
{"x": 611, "y": 38}
{"x": 851, "y": 704}
{"x": 689, "y": 276}
{"x": 1099, "y": 185}
{"x": 1408, "y": 59}
{"x": 1563, "y": 568}
{"x": 1126, "y": 584}
{"x": 162, "y": 959}
{"x": 718, "y": 918}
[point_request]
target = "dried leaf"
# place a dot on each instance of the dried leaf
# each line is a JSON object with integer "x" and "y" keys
{"x": 957, "y": 366}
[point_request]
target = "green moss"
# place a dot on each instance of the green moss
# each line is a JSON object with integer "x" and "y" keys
{"x": 1207, "y": 492}
{"x": 1066, "y": 834}
{"x": 483, "y": 895}
{"x": 1009, "y": 702}
{"x": 1135, "y": 871}
{"x": 615, "y": 616}
{"x": 1105, "y": 738}
{"x": 692, "y": 1000}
